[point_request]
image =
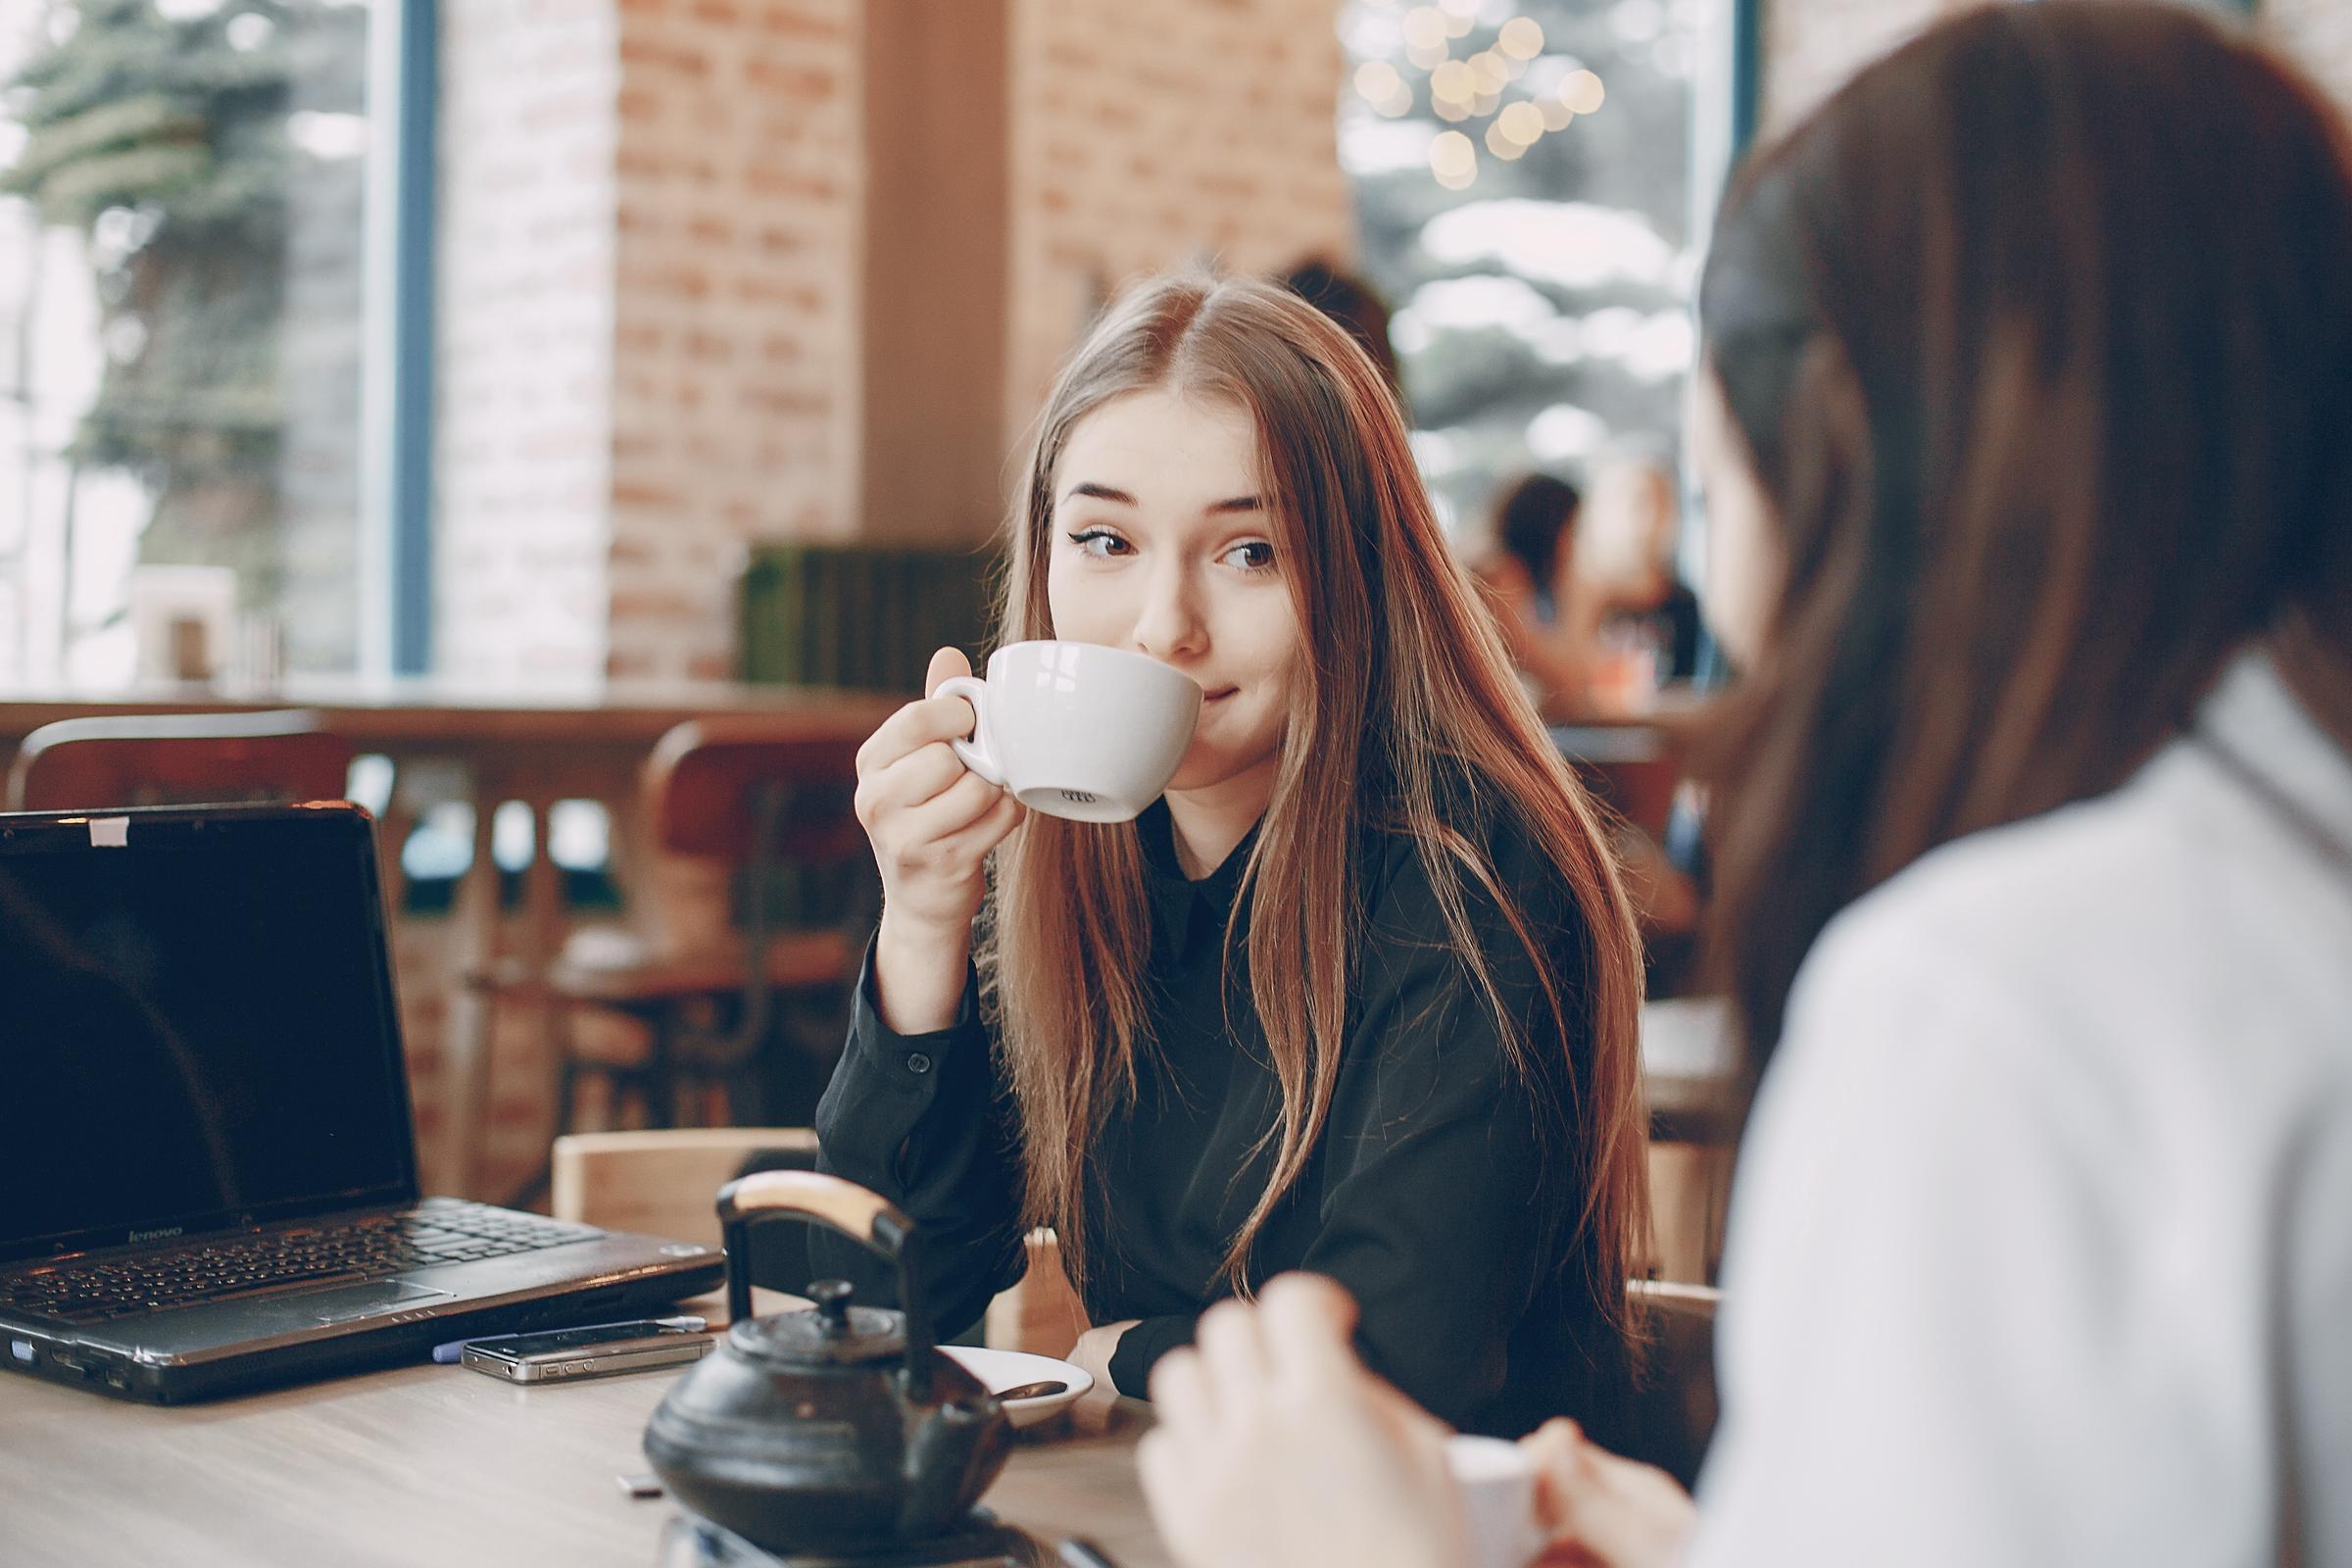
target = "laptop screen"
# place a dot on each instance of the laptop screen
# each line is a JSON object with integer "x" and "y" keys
{"x": 196, "y": 1025}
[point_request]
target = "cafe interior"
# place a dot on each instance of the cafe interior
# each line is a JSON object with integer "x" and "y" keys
{"x": 566, "y": 429}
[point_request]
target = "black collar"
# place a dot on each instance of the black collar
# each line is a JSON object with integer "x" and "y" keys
{"x": 1184, "y": 910}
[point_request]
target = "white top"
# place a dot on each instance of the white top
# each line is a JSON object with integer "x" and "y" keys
{"x": 2041, "y": 1244}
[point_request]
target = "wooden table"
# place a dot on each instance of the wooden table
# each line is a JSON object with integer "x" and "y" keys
{"x": 447, "y": 737}
{"x": 430, "y": 1467}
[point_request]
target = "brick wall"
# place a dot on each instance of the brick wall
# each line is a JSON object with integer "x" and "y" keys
{"x": 650, "y": 227}
{"x": 1208, "y": 131}
{"x": 734, "y": 386}
{"x": 524, "y": 341}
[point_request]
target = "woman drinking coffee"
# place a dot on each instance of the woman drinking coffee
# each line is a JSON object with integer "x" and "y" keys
{"x": 1358, "y": 995}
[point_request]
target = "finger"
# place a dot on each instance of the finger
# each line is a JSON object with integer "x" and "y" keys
{"x": 1234, "y": 1351}
{"x": 1555, "y": 1441}
{"x": 1307, "y": 1321}
{"x": 1552, "y": 1451}
{"x": 994, "y": 826}
{"x": 1170, "y": 1483}
{"x": 1182, "y": 1402}
{"x": 947, "y": 815}
{"x": 921, "y": 775}
{"x": 913, "y": 727}
{"x": 1619, "y": 1509}
{"x": 946, "y": 664}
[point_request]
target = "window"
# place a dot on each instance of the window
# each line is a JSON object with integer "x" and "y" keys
{"x": 1524, "y": 179}
{"x": 180, "y": 330}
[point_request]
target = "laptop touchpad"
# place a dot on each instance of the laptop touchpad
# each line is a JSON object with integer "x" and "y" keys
{"x": 345, "y": 1303}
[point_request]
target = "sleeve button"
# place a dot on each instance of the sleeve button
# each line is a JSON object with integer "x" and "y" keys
{"x": 919, "y": 1063}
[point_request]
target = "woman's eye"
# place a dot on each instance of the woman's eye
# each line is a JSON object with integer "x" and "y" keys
{"x": 1101, "y": 543}
{"x": 1255, "y": 556}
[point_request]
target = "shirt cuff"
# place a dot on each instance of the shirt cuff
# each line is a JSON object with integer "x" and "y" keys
{"x": 1142, "y": 1347}
{"x": 912, "y": 1062}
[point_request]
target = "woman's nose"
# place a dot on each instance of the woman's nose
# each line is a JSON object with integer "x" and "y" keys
{"x": 1170, "y": 626}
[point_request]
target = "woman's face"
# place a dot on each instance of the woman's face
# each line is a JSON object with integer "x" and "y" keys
{"x": 1744, "y": 549}
{"x": 1162, "y": 542}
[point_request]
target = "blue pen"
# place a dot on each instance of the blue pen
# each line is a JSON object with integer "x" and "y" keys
{"x": 454, "y": 1350}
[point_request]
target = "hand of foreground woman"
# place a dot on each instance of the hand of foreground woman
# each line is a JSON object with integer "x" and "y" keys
{"x": 1603, "y": 1511}
{"x": 1275, "y": 1448}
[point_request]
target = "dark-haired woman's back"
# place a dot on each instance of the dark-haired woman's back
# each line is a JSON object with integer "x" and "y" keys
{"x": 2070, "y": 1100}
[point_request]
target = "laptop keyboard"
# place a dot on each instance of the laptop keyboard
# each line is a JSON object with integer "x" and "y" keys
{"x": 439, "y": 1230}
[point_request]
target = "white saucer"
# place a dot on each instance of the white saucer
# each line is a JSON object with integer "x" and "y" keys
{"x": 1009, "y": 1369}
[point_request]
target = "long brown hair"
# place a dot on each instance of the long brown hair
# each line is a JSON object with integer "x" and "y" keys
{"x": 1406, "y": 717}
{"x": 2040, "y": 336}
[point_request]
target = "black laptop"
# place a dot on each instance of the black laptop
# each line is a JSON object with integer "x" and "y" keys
{"x": 208, "y": 1171}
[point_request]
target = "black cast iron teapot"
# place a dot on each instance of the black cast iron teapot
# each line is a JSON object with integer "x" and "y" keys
{"x": 839, "y": 1428}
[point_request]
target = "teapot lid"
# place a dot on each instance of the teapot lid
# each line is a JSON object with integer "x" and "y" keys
{"x": 836, "y": 1333}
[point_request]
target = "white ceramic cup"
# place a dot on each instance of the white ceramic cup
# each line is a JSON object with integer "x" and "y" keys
{"x": 1077, "y": 729}
{"x": 1498, "y": 1499}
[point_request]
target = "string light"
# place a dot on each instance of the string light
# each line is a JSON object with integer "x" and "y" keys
{"x": 1522, "y": 123}
{"x": 1425, "y": 28}
{"x": 1474, "y": 88}
{"x": 1452, "y": 160}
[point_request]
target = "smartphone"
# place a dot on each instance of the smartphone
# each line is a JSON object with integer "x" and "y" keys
{"x": 568, "y": 1355}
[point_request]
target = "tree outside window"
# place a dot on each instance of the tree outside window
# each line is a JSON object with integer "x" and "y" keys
{"x": 180, "y": 279}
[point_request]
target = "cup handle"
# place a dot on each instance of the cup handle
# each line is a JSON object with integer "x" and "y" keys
{"x": 979, "y": 754}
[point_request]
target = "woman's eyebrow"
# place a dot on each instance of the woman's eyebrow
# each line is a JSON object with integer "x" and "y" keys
{"x": 1104, "y": 492}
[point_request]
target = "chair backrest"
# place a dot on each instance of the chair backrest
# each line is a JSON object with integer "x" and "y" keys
{"x": 660, "y": 1183}
{"x": 178, "y": 760}
{"x": 1675, "y": 1410}
{"x": 709, "y": 778}
{"x": 1633, "y": 768}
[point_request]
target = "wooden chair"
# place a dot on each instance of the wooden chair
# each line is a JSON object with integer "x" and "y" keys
{"x": 751, "y": 792}
{"x": 1633, "y": 767}
{"x": 1675, "y": 1409}
{"x": 661, "y": 1182}
{"x": 1690, "y": 1077}
{"x": 178, "y": 760}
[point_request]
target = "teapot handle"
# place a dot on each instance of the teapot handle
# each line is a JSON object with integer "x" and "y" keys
{"x": 845, "y": 1208}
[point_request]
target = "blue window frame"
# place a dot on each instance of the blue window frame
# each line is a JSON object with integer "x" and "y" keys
{"x": 396, "y": 546}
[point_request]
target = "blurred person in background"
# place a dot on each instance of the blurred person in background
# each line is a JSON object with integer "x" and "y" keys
{"x": 1528, "y": 577}
{"x": 1355, "y": 305}
{"x": 1550, "y": 613}
{"x": 1632, "y": 521}
{"x": 2022, "y": 429}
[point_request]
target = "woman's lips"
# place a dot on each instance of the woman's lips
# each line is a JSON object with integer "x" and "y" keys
{"x": 1218, "y": 695}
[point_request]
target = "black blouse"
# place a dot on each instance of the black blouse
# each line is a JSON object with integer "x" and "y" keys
{"x": 1440, "y": 1192}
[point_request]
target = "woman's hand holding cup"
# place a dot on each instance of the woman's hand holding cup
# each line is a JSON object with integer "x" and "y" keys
{"x": 932, "y": 822}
